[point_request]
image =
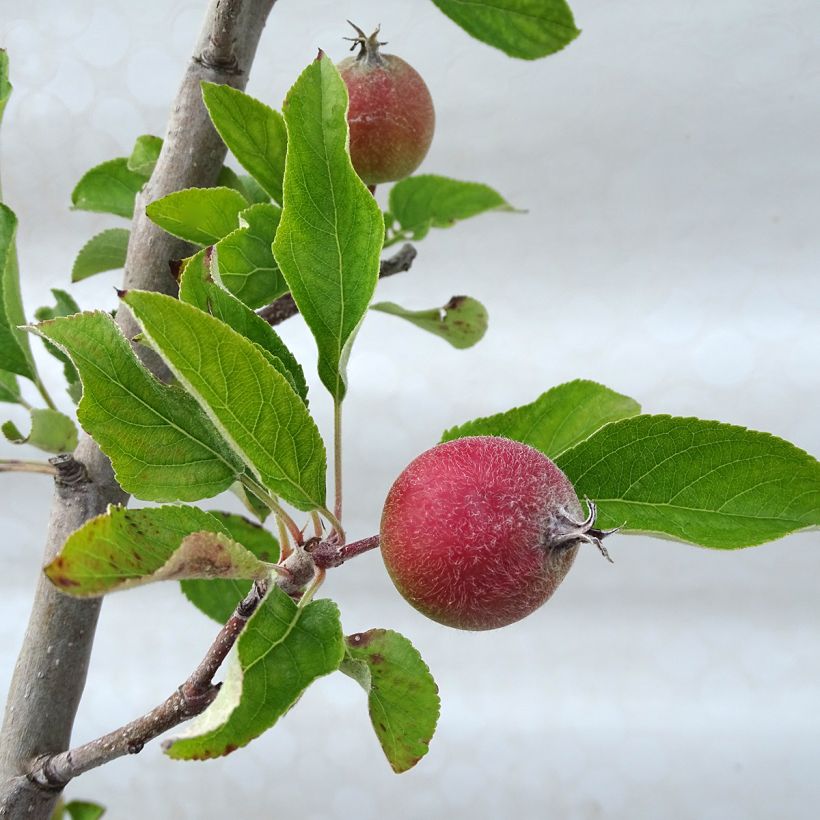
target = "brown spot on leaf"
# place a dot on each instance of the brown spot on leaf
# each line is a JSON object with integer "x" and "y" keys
{"x": 359, "y": 639}
{"x": 63, "y": 581}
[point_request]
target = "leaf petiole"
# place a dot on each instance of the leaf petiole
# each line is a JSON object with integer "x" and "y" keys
{"x": 273, "y": 505}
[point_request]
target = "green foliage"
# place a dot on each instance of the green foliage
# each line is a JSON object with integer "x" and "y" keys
{"x": 251, "y": 403}
{"x": 245, "y": 258}
{"x": 103, "y": 252}
{"x": 428, "y": 201}
{"x": 528, "y": 29}
{"x": 252, "y": 190}
{"x": 9, "y": 389}
{"x": 253, "y": 132}
{"x": 402, "y": 696}
{"x": 109, "y": 188}
{"x": 51, "y": 431}
{"x": 5, "y": 85}
{"x": 161, "y": 445}
{"x": 462, "y": 321}
{"x": 15, "y": 352}
{"x": 281, "y": 651}
{"x": 145, "y": 155}
{"x": 331, "y": 233}
{"x": 199, "y": 215}
{"x": 78, "y": 810}
{"x": 197, "y": 288}
{"x": 704, "y": 482}
{"x": 64, "y": 305}
{"x": 218, "y": 598}
{"x": 556, "y": 420}
{"x": 126, "y": 548}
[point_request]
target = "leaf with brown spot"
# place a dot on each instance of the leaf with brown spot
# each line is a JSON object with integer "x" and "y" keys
{"x": 218, "y": 598}
{"x": 125, "y": 548}
{"x": 402, "y": 696}
{"x": 462, "y": 321}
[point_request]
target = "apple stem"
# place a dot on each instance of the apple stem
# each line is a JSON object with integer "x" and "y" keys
{"x": 329, "y": 554}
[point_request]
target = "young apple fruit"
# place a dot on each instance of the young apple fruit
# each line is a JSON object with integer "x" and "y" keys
{"x": 479, "y": 532}
{"x": 391, "y": 114}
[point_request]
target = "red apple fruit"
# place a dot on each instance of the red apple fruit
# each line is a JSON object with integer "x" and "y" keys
{"x": 478, "y": 532}
{"x": 391, "y": 114}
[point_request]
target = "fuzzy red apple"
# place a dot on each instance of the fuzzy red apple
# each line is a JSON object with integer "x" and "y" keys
{"x": 478, "y": 532}
{"x": 391, "y": 114}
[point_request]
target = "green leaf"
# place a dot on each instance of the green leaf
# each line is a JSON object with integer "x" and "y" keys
{"x": 250, "y": 501}
{"x": 425, "y": 201}
{"x": 245, "y": 258}
{"x": 198, "y": 289}
{"x": 109, "y": 188}
{"x": 9, "y": 389}
{"x": 145, "y": 155}
{"x": 254, "y": 133}
{"x": 704, "y": 482}
{"x": 160, "y": 444}
{"x": 199, "y": 215}
{"x": 83, "y": 810}
{"x": 218, "y": 598}
{"x": 64, "y": 306}
{"x": 248, "y": 399}
{"x": 462, "y": 321}
{"x": 521, "y": 28}
{"x": 15, "y": 352}
{"x": 5, "y": 85}
{"x": 126, "y": 548}
{"x": 51, "y": 431}
{"x": 228, "y": 178}
{"x": 253, "y": 191}
{"x": 103, "y": 252}
{"x": 332, "y": 230}
{"x": 401, "y": 694}
{"x": 556, "y": 420}
{"x": 281, "y": 651}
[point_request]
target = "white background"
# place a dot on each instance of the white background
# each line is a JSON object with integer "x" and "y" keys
{"x": 669, "y": 163}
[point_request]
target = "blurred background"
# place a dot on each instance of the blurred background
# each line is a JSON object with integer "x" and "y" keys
{"x": 668, "y": 160}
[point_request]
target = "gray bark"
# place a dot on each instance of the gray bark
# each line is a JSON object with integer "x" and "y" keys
{"x": 51, "y": 669}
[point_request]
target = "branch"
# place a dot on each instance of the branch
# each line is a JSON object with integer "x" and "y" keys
{"x": 191, "y": 699}
{"x": 50, "y": 673}
{"x": 284, "y": 307}
{"x": 17, "y": 466}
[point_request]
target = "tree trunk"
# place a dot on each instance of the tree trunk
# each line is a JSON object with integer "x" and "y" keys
{"x": 51, "y": 669}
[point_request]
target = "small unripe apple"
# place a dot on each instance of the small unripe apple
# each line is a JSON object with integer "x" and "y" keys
{"x": 479, "y": 532}
{"x": 391, "y": 114}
